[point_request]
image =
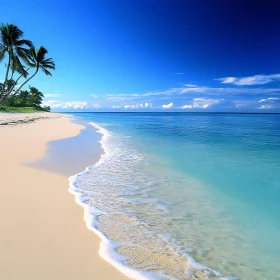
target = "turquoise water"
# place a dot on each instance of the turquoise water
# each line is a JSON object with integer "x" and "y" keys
{"x": 188, "y": 196}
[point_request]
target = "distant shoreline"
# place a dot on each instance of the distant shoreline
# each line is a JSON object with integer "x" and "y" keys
{"x": 170, "y": 112}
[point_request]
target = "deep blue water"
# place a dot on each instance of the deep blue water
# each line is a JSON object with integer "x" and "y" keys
{"x": 205, "y": 188}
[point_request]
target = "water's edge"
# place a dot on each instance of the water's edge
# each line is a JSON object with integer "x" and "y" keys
{"x": 108, "y": 247}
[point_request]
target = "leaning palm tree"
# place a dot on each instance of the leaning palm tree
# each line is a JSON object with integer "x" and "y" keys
{"x": 37, "y": 59}
{"x": 11, "y": 43}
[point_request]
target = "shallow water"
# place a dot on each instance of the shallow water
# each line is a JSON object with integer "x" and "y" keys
{"x": 184, "y": 196}
{"x": 71, "y": 155}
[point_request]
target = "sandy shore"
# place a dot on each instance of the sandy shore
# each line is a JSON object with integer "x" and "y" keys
{"x": 43, "y": 235}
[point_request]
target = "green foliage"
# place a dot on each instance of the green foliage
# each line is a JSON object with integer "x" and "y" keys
{"x": 47, "y": 108}
{"x": 37, "y": 58}
{"x": 18, "y": 52}
{"x": 4, "y": 108}
{"x": 22, "y": 109}
{"x": 26, "y": 98}
{"x": 10, "y": 83}
{"x": 13, "y": 45}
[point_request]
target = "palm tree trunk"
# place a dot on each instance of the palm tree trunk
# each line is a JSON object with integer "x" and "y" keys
{"x": 26, "y": 82}
{"x": 5, "y": 96}
{"x": 7, "y": 72}
{"x": 2, "y": 95}
{"x": 15, "y": 83}
{"x": 13, "y": 71}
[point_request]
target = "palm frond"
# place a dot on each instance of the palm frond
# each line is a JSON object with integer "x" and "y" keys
{"x": 40, "y": 54}
{"x": 24, "y": 42}
{"x": 31, "y": 64}
{"x": 15, "y": 32}
{"x": 48, "y": 60}
{"x": 23, "y": 53}
{"x": 19, "y": 67}
{"x": 11, "y": 37}
{"x": 50, "y": 65}
{"x": 2, "y": 54}
{"x": 5, "y": 34}
{"x": 46, "y": 71}
{"x": 29, "y": 57}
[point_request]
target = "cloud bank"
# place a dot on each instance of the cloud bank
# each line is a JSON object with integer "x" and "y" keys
{"x": 202, "y": 103}
{"x": 238, "y": 96}
{"x": 251, "y": 80}
{"x": 167, "y": 106}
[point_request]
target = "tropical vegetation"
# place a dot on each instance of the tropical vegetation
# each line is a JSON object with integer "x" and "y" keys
{"x": 23, "y": 62}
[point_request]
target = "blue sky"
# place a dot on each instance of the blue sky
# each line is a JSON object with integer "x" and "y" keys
{"x": 155, "y": 55}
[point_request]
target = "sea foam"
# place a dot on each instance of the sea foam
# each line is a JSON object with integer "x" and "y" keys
{"x": 108, "y": 248}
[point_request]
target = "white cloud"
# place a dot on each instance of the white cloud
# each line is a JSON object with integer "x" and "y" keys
{"x": 269, "y": 103}
{"x": 136, "y": 106}
{"x": 59, "y": 104}
{"x": 191, "y": 89}
{"x": 187, "y": 90}
{"x": 94, "y": 95}
{"x": 205, "y": 103}
{"x": 227, "y": 80}
{"x": 202, "y": 103}
{"x": 192, "y": 96}
{"x": 269, "y": 99}
{"x": 178, "y": 73}
{"x": 167, "y": 106}
{"x": 251, "y": 80}
{"x": 51, "y": 95}
{"x": 265, "y": 107}
{"x": 187, "y": 107}
{"x": 190, "y": 85}
{"x": 72, "y": 105}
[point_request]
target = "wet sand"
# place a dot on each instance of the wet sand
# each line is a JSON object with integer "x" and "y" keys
{"x": 43, "y": 234}
{"x": 71, "y": 155}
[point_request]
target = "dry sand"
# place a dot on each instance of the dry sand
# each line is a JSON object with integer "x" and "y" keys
{"x": 43, "y": 234}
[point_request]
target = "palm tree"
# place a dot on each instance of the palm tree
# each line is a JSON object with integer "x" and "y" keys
{"x": 36, "y": 96}
{"x": 37, "y": 59}
{"x": 23, "y": 98}
{"x": 11, "y": 43}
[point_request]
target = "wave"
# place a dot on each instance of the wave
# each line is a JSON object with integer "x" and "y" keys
{"x": 108, "y": 247}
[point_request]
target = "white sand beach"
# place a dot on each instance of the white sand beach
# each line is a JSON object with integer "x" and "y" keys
{"x": 43, "y": 234}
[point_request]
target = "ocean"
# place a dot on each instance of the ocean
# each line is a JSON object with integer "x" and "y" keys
{"x": 185, "y": 195}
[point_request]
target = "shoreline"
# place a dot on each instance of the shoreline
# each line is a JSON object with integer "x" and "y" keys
{"x": 107, "y": 246}
{"x": 43, "y": 233}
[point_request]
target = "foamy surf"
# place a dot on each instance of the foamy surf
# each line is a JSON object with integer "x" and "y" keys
{"x": 109, "y": 248}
